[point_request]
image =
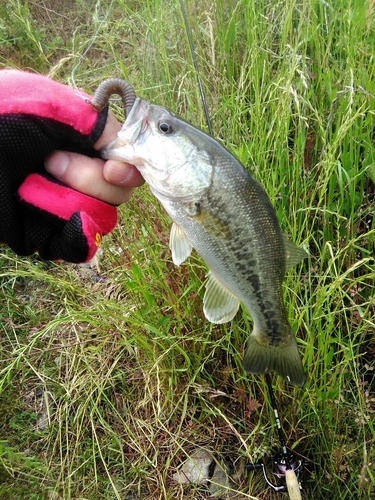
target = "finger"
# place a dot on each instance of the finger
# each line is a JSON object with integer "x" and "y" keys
{"x": 86, "y": 175}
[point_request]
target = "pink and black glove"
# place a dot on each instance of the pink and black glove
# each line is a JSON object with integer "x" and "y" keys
{"x": 37, "y": 213}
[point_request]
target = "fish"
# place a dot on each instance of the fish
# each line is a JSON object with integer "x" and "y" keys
{"x": 224, "y": 213}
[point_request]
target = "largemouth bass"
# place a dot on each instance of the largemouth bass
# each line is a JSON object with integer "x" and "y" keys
{"x": 219, "y": 209}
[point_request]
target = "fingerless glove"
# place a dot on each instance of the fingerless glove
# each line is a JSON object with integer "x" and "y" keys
{"x": 37, "y": 213}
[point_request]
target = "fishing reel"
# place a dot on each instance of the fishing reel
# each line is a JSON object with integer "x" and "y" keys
{"x": 288, "y": 470}
{"x": 282, "y": 463}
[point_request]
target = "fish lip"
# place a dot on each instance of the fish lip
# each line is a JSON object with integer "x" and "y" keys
{"x": 135, "y": 124}
{"x": 136, "y": 108}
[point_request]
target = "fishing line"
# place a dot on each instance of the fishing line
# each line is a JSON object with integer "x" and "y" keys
{"x": 195, "y": 62}
{"x": 93, "y": 40}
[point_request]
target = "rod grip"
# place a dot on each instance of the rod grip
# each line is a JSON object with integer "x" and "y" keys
{"x": 292, "y": 485}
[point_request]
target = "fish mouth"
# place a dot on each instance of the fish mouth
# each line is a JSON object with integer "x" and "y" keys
{"x": 135, "y": 124}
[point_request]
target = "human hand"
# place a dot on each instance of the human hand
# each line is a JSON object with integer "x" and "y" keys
{"x": 48, "y": 126}
{"x": 110, "y": 181}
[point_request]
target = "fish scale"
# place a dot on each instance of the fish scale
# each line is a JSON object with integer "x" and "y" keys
{"x": 222, "y": 212}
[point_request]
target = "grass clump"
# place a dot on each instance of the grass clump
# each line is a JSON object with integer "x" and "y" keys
{"x": 110, "y": 376}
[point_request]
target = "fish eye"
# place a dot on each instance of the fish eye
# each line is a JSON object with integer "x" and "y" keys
{"x": 165, "y": 126}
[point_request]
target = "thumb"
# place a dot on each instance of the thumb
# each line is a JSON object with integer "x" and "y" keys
{"x": 85, "y": 175}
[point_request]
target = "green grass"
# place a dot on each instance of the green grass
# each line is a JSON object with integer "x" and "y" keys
{"x": 131, "y": 378}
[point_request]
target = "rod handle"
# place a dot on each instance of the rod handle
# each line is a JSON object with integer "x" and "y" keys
{"x": 292, "y": 485}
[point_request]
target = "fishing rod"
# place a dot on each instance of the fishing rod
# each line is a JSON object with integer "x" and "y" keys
{"x": 195, "y": 62}
{"x": 288, "y": 470}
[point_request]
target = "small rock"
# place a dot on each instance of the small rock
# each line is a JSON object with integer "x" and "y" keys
{"x": 195, "y": 469}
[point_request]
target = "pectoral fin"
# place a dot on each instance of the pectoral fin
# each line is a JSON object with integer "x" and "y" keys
{"x": 293, "y": 253}
{"x": 219, "y": 305}
{"x": 179, "y": 245}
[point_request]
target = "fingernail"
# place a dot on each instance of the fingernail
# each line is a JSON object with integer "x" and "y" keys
{"x": 57, "y": 163}
{"x": 118, "y": 173}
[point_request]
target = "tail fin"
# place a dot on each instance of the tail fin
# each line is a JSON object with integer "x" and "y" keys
{"x": 284, "y": 359}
